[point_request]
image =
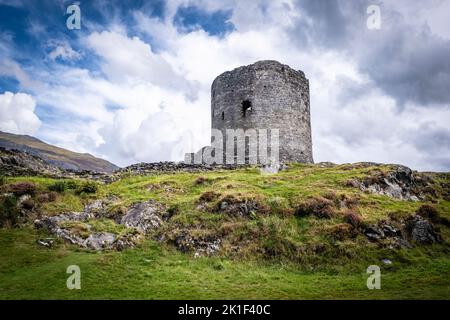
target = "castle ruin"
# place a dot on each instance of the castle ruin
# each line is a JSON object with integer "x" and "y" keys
{"x": 264, "y": 96}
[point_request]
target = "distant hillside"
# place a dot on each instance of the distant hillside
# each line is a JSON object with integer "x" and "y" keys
{"x": 55, "y": 156}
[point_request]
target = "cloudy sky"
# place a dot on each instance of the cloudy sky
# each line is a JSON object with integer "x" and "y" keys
{"x": 133, "y": 84}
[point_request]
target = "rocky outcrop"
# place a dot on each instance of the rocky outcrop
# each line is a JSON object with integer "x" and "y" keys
{"x": 200, "y": 246}
{"x": 54, "y": 225}
{"x": 421, "y": 230}
{"x": 17, "y": 163}
{"x": 99, "y": 241}
{"x": 240, "y": 207}
{"x": 144, "y": 216}
{"x": 102, "y": 208}
{"x": 399, "y": 183}
{"x": 385, "y": 232}
{"x": 141, "y": 219}
{"x": 413, "y": 229}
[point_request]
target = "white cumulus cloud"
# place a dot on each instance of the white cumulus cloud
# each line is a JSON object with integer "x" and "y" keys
{"x": 146, "y": 95}
{"x": 17, "y": 113}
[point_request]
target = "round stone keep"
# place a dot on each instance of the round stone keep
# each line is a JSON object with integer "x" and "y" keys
{"x": 266, "y": 95}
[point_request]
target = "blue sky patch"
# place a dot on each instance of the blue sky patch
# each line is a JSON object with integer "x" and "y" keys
{"x": 190, "y": 18}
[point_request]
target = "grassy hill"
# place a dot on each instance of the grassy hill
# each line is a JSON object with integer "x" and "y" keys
{"x": 304, "y": 233}
{"x": 56, "y": 156}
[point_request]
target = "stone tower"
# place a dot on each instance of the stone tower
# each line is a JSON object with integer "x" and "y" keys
{"x": 264, "y": 95}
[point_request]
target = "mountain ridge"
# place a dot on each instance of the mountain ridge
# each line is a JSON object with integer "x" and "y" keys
{"x": 56, "y": 156}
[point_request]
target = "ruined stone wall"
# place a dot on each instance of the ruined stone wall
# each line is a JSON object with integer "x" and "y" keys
{"x": 266, "y": 95}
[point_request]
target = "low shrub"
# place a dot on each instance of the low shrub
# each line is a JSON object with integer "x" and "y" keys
{"x": 58, "y": 186}
{"x": 63, "y": 185}
{"x": 88, "y": 187}
{"x": 52, "y": 196}
{"x": 330, "y": 195}
{"x": 396, "y": 216}
{"x": 429, "y": 212}
{"x": 21, "y": 188}
{"x": 351, "y": 183}
{"x": 347, "y": 201}
{"x": 71, "y": 184}
{"x": 47, "y": 197}
{"x": 275, "y": 246}
{"x": 209, "y": 196}
{"x": 341, "y": 200}
{"x": 28, "y": 204}
{"x": 227, "y": 228}
{"x": 8, "y": 211}
{"x": 236, "y": 205}
{"x": 353, "y": 218}
{"x": 171, "y": 211}
{"x": 317, "y": 206}
{"x": 201, "y": 181}
{"x": 280, "y": 206}
{"x": 342, "y": 232}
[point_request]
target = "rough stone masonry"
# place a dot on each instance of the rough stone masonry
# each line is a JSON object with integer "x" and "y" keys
{"x": 265, "y": 95}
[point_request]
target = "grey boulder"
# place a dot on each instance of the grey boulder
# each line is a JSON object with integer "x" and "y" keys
{"x": 143, "y": 216}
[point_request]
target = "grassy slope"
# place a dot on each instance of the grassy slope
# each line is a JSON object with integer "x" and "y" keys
{"x": 155, "y": 271}
{"x": 152, "y": 272}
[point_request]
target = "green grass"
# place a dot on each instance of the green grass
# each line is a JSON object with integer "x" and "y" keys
{"x": 154, "y": 272}
{"x": 281, "y": 256}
